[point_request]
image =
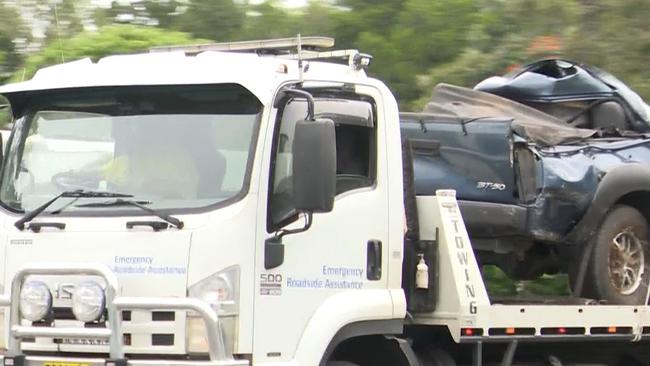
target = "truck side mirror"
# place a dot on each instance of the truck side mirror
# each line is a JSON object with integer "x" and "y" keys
{"x": 314, "y": 165}
{"x": 314, "y": 179}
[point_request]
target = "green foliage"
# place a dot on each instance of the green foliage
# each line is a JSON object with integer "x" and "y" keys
{"x": 13, "y": 33}
{"x": 5, "y": 116}
{"x": 113, "y": 39}
{"x": 267, "y": 20}
{"x": 416, "y": 43}
{"x": 615, "y": 35}
{"x": 145, "y": 12}
{"x": 215, "y": 20}
{"x": 499, "y": 284}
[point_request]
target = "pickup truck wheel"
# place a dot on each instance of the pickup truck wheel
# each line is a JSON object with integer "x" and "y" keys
{"x": 618, "y": 270}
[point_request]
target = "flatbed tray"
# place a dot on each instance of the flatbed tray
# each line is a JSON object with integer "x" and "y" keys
{"x": 543, "y": 300}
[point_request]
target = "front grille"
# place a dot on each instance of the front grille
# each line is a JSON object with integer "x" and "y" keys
{"x": 126, "y": 315}
{"x": 62, "y": 313}
{"x": 144, "y": 332}
{"x": 163, "y": 316}
{"x": 162, "y": 339}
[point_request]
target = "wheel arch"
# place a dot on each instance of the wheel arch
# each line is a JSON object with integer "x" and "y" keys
{"x": 639, "y": 200}
{"x": 626, "y": 184}
{"x": 371, "y": 343}
{"x": 350, "y": 314}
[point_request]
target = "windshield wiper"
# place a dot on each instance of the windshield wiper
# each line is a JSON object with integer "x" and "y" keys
{"x": 79, "y": 193}
{"x": 139, "y": 204}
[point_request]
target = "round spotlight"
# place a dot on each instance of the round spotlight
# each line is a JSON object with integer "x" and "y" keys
{"x": 35, "y": 300}
{"x": 88, "y": 301}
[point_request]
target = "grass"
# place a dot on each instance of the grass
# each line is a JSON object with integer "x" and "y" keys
{"x": 499, "y": 284}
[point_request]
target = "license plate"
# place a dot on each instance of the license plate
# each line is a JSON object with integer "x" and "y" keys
{"x": 65, "y": 364}
{"x": 85, "y": 341}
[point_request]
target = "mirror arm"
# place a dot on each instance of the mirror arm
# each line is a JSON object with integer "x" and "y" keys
{"x": 274, "y": 248}
{"x": 308, "y": 96}
{"x": 284, "y": 232}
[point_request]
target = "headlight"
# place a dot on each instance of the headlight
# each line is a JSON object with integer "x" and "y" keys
{"x": 88, "y": 301}
{"x": 221, "y": 292}
{"x": 35, "y": 300}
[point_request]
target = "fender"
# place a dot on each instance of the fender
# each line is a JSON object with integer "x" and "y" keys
{"x": 343, "y": 309}
{"x": 615, "y": 184}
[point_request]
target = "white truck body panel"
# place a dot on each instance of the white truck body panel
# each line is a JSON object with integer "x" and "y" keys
{"x": 310, "y": 278}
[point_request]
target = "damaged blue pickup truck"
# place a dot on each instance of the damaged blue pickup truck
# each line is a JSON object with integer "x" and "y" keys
{"x": 551, "y": 165}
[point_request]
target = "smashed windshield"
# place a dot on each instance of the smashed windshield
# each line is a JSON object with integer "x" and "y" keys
{"x": 170, "y": 147}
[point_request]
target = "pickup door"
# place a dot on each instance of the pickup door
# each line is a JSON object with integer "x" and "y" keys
{"x": 474, "y": 157}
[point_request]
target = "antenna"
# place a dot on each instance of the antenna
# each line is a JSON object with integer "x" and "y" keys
{"x": 300, "y": 73}
{"x": 58, "y": 32}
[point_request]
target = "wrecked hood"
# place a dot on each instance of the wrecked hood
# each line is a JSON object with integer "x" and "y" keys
{"x": 473, "y": 105}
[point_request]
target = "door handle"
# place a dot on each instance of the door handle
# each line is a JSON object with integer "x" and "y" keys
{"x": 373, "y": 266}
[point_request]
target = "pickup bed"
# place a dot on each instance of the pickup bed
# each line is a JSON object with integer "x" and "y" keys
{"x": 537, "y": 193}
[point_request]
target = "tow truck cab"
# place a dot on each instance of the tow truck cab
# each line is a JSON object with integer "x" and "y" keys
{"x": 179, "y": 191}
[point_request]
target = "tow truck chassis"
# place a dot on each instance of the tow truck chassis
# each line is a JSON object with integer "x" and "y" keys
{"x": 465, "y": 309}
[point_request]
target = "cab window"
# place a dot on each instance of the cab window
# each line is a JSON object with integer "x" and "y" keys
{"x": 355, "y": 148}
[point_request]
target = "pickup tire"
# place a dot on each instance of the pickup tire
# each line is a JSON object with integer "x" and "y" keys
{"x": 618, "y": 269}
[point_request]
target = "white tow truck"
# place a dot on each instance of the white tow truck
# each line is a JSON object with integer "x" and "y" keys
{"x": 244, "y": 204}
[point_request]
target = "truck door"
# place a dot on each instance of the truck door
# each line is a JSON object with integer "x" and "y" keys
{"x": 474, "y": 157}
{"x": 344, "y": 251}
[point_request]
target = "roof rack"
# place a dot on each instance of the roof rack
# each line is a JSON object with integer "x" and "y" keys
{"x": 351, "y": 57}
{"x": 270, "y": 46}
{"x": 295, "y": 48}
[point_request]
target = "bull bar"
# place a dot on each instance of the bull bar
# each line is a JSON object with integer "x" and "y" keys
{"x": 218, "y": 355}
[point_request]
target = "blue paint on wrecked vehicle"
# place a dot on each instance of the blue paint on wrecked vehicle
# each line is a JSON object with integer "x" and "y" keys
{"x": 526, "y": 180}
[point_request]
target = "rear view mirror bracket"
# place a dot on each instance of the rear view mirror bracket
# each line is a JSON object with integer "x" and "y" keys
{"x": 274, "y": 248}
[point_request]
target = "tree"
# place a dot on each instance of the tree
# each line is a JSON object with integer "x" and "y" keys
{"x": 221, "y": 20}
{"x": 503, "y": 36}
{"x": 615, "y": 37}
{"x": 113, "y": 39}
{"x": 406, "y": 37}
{"x": 14, "y": 37}
{"x": 64, "y": 20}
{"x": 52, "y": 19}
{"x": 142, "y": 12}
{"x": 268, "y": 20}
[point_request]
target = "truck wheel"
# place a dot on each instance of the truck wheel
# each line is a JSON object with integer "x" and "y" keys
{"x": 435, "y": 357}
{"x": 618, "y": 269}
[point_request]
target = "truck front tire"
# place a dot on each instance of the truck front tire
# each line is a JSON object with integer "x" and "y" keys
{"x": 435, "y": 357}
{"x": 618, "y": 271}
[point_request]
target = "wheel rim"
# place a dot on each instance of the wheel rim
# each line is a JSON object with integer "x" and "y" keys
{"x": 626, "y": 262}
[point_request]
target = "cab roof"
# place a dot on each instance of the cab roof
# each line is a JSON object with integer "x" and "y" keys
{"x": 261, "y": 74}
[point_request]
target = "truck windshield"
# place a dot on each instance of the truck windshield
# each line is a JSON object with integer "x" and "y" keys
{"x": 173, "y": 147}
